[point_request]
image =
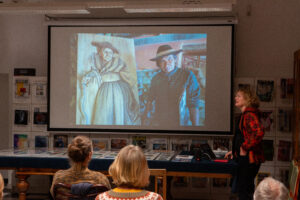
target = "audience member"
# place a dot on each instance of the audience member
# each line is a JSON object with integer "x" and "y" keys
{"x": 1, "y": 187}
{"x": 271, "y": 189}
{"x": 80, "y": 153}
{"x": 130, "y": 173}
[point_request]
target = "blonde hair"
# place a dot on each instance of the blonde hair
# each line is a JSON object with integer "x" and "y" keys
{"x": 130, "y": 168}
{"x": 250, "y": 97}
{"x": 79, "y": 149}
{"x": 1, "y": 186}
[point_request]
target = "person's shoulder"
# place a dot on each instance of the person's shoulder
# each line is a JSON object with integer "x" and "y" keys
{"x": 60, "y": 173}
{"x": 101, "y": 196}
{"x": 97, "y": 173}
{"x": 155, "y": 196}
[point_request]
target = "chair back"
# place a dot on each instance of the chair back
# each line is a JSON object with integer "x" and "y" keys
{"x": 62, "y": 191}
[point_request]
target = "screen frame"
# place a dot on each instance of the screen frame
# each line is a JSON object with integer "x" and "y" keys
{"x": 142, "y": 131}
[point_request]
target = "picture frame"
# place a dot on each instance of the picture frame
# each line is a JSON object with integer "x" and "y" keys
{"x": 21, "y": 87}
{"x": 265, "y": 89}
{"x": 285, "y": 91}
{"x": 21, "y": 117}
{"x": 268, "y": 120}
{"x": 283, "y": 151}
{"x": 38, "y": 87}
{"x": 284, "y": 121}
{"x": 39, "y": 116}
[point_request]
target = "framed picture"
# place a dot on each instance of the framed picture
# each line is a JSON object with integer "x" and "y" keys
{"x": 283, "y": 151}
{"x": 267, "y": 119}
{"x": 265, "y": 90}
{"x": 21, "y": 115}
{"x": 100, "y": 143}
{"x": 285, "y": 91}
{"x": 159, "y": 143}
{"x": 40, "y": 117}
{"x": 180, "y": 144}
{"x": 21, "y": 140}
{"x": 139, "y": 140}
{"x": 284, "y": 121}
{"x": 38, "y": 87}
{"x": 60, "y": 141}
{"x": 39, "y": 139}
{"x": 117, "y": 143}
{"x": 21, "y": 90}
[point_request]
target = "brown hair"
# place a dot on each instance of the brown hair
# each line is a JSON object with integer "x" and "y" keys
{"x": 79, "y": 149}
{"x": 130, "y": 168}
{"x": 250, "y": 97}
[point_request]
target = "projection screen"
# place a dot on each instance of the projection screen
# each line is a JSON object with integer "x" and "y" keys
{"x": 167, "y": 79}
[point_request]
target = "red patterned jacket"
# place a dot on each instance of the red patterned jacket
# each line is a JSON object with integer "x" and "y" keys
{"x": 253, "y": 132}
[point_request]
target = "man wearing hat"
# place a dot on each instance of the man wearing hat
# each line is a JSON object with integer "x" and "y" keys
{"x": 174, "y": 92}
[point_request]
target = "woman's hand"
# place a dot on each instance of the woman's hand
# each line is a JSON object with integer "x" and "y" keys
{"x": 229, "y": 155}
{"x": 242, "y": 152}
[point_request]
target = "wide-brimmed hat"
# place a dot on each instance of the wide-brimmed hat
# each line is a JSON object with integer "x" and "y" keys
{"x": 104, "y": 44}
{"x": 165, "y": 50}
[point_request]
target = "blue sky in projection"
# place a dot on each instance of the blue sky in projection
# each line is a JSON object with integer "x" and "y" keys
{"x": 164, "y": 38}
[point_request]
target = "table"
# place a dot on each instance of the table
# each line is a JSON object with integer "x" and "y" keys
{"x": 26, "y": 164}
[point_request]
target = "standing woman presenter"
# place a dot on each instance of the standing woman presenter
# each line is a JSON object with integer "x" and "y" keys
{"x": 247, "y": 144}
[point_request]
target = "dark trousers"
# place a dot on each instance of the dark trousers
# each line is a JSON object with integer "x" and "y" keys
{"x": 245, "y": 178}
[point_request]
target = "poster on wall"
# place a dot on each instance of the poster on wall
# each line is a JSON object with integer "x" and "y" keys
{"x": 21, "y": 90}
{"x": 285, "y": 91}
{"x": 38, "y": 87}
{"x": 21, "y": 117}
{"x": 40, "y": 117}
{"x": 267, "y": 119}
{"x": 265, "y": 91}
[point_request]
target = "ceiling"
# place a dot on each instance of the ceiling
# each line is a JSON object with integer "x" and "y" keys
{"x": 99, "y": 9}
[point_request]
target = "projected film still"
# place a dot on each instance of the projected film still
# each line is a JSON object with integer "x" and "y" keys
{"x": 141, "y": 80}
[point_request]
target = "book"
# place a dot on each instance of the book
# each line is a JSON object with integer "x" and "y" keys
{"x": 21, "y": 117}
{"x": 159, "y": 143}
{"x": 41, "y": 141}
{"x": 38, "y": 86}
{"x": 22, "y": 90}
{"x": 60, "y": 141}
{"x": 118, "y": 143}
{"x": 100, "y": 144}
{"x": 40, "y": 117}
{"x": 151, "y": 155}
{"x": 183, "y": 158}
{"x": 21, "y": 141}
{"x": 139, "y": 141}
{"x": 165, "y": 156}
{"x": 180, "y": 144}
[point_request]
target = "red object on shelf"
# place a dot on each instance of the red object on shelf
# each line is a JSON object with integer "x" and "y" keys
{"x": 221, "y": 160}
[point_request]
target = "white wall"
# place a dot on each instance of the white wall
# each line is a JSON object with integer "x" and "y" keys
{"x": 265, "y": 40}
{"x": 23, "y": 43}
